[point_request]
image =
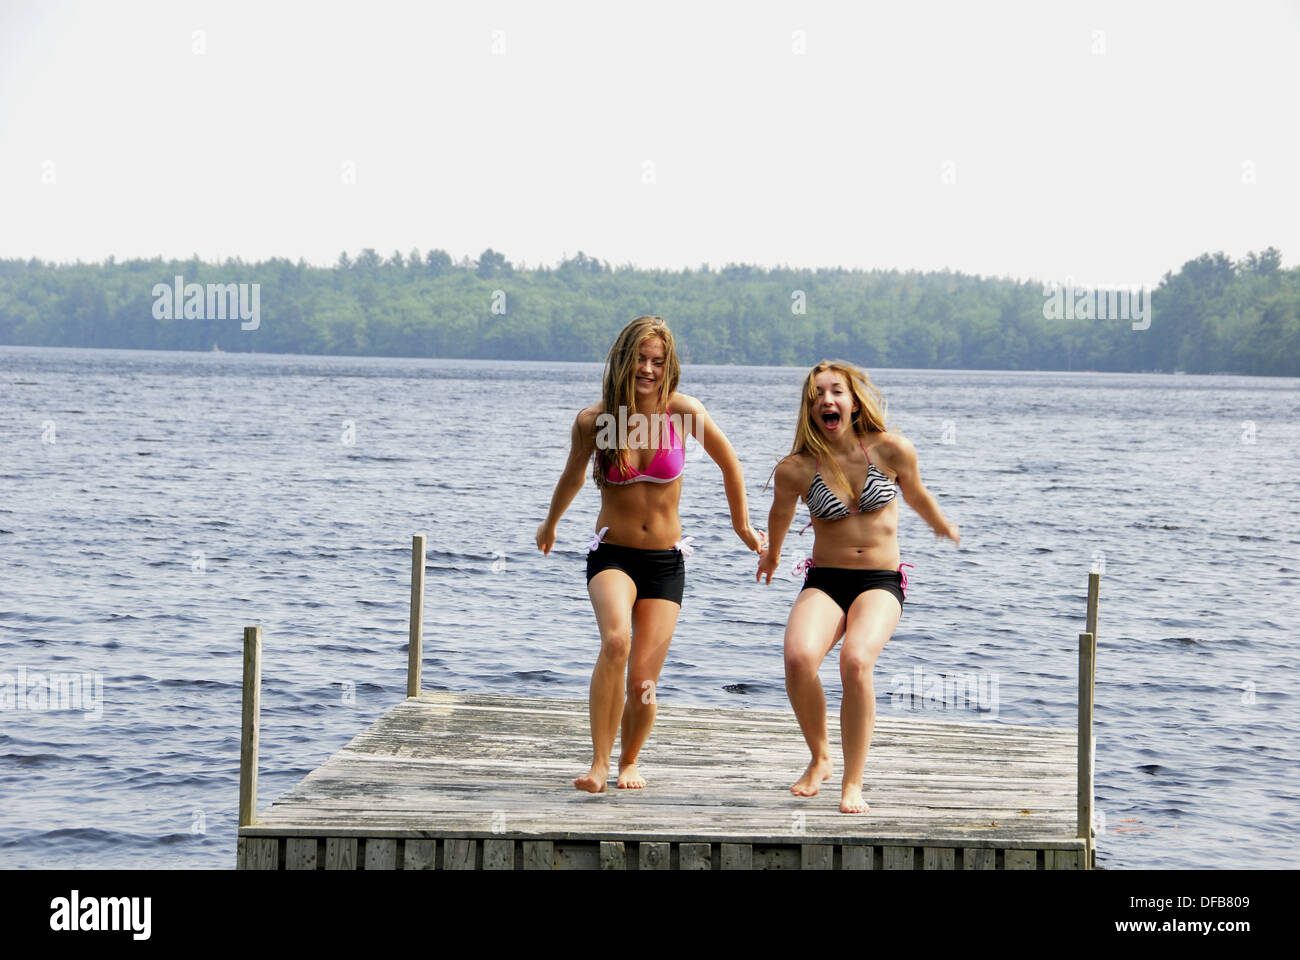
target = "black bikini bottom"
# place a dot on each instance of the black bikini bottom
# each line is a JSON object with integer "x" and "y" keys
{"x": 843, "y": 584}
{"x": 657, "y": 574}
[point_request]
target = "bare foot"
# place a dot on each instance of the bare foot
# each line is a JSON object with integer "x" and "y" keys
{"x": 851, "y": 799}
{"x": 810, "y": 782}
{"x": 629, "y": 778}
{"x": 594, "y": 779}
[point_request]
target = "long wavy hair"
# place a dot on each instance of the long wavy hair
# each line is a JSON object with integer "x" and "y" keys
{"x": 868, "y": 418}
{"x": 618, "y": 388}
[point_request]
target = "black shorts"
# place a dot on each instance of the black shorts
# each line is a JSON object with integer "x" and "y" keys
{"x": 657, "y": 574}
{"x": 843, "y": 584}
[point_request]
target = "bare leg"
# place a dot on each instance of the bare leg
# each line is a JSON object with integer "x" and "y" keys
{"x": 871, "y": 623}
{"x": 653, "y": 622}
{"x": 612, "y": 596}
{"x": 816, "y": 622}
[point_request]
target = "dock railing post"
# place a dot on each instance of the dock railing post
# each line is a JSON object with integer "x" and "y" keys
{"x": 1087, "y": 664}
{"x": 415, "y": 649}
{"x": 252, "y": 711}
{"x": 1094, "y": 592}
{"x": 1094, "y": 588}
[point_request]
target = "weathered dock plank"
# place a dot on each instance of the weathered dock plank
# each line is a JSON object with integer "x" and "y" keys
{"x": 613, "y": 855}
{"x": 340, "y": 853}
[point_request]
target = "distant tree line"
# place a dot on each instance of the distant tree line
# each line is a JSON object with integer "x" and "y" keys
{"x": 1213, "y": 315}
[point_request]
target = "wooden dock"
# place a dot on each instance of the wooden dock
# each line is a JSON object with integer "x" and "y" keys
{"x": 470, "y": 781}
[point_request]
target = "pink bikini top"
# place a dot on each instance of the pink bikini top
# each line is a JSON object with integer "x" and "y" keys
{"x": 665, "y": 467}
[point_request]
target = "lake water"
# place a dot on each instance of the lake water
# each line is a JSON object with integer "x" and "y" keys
{"x": 152, "y": 504}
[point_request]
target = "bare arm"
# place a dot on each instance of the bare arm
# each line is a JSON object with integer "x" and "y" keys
{"x": 785, "y": 501}
{"x": 716, "y": 445}
{"x": 900, "y": 456}
{"x": 582, "y": 440}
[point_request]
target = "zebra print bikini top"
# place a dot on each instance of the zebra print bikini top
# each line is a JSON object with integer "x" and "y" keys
{"x": 876, "y": 492}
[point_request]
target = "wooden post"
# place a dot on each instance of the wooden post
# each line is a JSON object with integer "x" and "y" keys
{"x": 415, "y": 648}
{"x": 1087, "y": 670}
{"x": 251, "y": 717}
{"x": 1094, "y": 591}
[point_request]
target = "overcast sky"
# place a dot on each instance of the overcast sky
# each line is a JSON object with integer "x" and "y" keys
{"x": 1102, "y": 142}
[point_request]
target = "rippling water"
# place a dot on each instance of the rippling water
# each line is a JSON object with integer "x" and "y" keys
{"x": 155, "y": 503}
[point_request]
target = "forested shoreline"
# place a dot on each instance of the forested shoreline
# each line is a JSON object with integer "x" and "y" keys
{"x": 1212, "y": 315}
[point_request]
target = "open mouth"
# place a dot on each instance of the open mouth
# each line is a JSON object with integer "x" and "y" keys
{"x": 831, "y": 420}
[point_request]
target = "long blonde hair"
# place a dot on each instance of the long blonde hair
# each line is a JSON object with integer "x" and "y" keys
{"x": 618, "y": 388}
{"x": 868, "y": 418}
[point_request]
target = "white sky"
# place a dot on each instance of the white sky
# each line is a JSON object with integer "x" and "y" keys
{"x": 1110, "y": 166}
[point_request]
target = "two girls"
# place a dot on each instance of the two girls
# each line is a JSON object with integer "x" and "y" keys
{"x": 854, "y": 586}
